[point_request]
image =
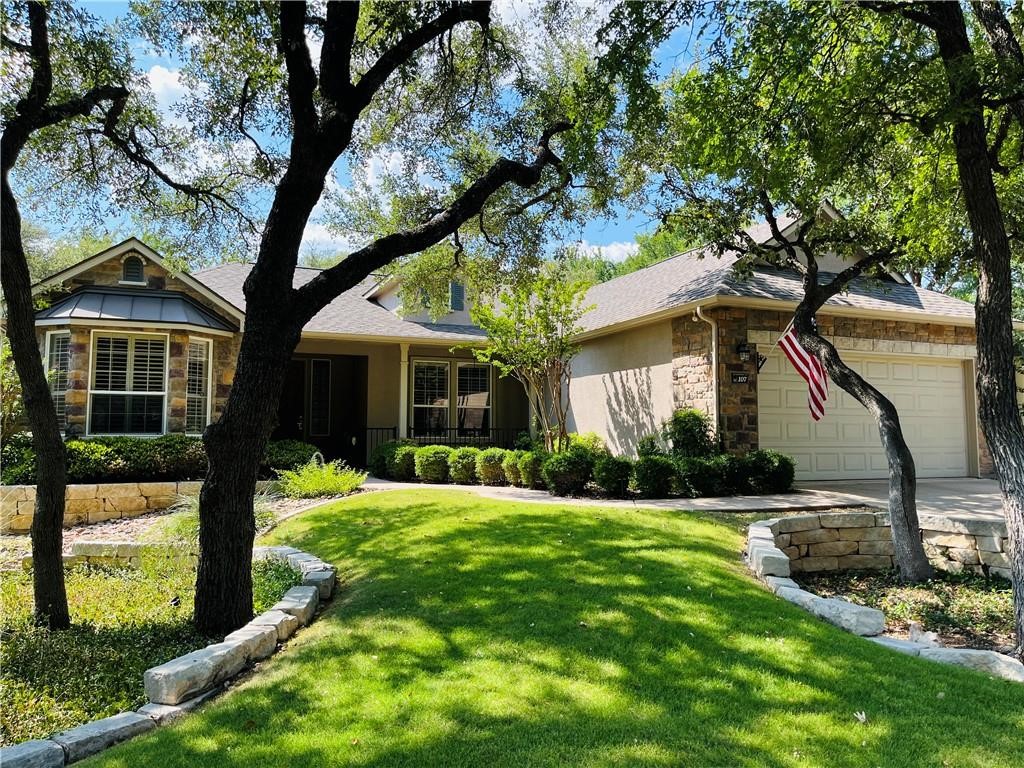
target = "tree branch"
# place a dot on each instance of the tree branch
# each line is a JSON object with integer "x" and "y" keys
{"x": 336, "y": 56}
{"x": 301, "y": 77}
{"x": 319, "y": 291}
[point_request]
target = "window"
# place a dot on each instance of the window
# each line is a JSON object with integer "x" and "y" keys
{"x": 320, "y": 398}
{"x": 473, "y": 399}
{"x": 197, "y": 387}
{"x": 131, "y": 270}
{"x": 58, "y": 364}
{"x": 429, "y": 397}
{"x": 128, "y": 388}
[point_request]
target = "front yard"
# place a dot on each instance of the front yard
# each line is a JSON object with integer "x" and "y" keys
{"x": 471, "y": 632}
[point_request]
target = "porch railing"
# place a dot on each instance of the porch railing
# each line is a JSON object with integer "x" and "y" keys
{"x": 454, "y": 436}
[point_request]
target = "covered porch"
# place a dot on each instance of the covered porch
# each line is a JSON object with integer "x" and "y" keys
{"x": 348, "y": 396}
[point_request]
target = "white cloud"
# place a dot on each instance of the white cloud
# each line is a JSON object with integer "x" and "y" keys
{"x": 616, "y": 251}
{"x": 377, "y": 166}
{"x": 166, "y": 84}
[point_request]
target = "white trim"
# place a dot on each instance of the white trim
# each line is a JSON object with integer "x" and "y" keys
{"x": 125, "y": 326}
{"x": 90, "y": 391}
{"x": 372, "y": 339}
{"x": 330, "y": 387}
{"x": 209, "y": 382}
{"x": 141, "y": 249}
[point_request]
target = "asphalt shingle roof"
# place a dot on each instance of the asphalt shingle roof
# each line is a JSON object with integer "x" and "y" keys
{"x": 349, "y": 314}
{"x": 699, "y": 274}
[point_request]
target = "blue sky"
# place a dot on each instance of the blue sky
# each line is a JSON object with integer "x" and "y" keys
{"x": 614, "y": 236}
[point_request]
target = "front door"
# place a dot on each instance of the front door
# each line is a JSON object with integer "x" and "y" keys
{"x": 291, "y": 413}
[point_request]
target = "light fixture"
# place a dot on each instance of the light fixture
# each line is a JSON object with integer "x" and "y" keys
{"x": 743, "y": 350}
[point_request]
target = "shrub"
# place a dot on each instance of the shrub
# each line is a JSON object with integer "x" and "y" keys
{"x": 568, "y": 472}
{"x": 589, "y": 441}
{"x": 510, "y": 466}
{"x": 526, "y": 442}
{"x": 319, "y": 478}
{"x": 181, "y": 525}
{"x": 462, "y": 465}
{"x": 769, "y": 472}
{"x": 382, "y": 455}
{"x": 650, "y": 445}
{"x": 402, "y": 463}
{"x": 530, "y": 464}
{"x": 488, "y": 466}
{"x": 286, "y": 454}
{"x": 90, "y": 460}
{"x": 612, "y": 474}
{"x": 654, "y": 476}
{"x": 706, "y": 476}
{"x": 17, "y": 460}
{"x": 689, "y": 433}
{"x": 432, "y": 463}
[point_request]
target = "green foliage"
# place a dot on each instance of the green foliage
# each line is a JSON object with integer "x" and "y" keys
{"x": 530, "y": 465}
{"x": 462, "y": 465}
{"x": 17, "y": 460}
{"x": 510, "y": 467}
{"x": 707, "y": 476}
{"x": 318, "y": 478}
{"x": 125, "y": 621}
{"x": 650, "y": 445}
{"x": 567, "y": 473}
{"x": 489, "y": 466}
{"x": 757, "y": 472}
{"x": 688, "y": 432}
{"x": 612, "y": 475}
{"x": 769, "y": 471}
{"x": 402, "y": 463}
{"x": 588, "y": 441}
{"x": 431, "y": 462}
{"x": 382, "y": 455}
{"x": 286, "y": 454}
{"x": 530, "y": 338}
{"x": 654, "y": 476}
{"x": 11, "y": 406}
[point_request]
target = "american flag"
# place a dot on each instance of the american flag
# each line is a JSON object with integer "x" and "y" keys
{"x": 812, "y": 371}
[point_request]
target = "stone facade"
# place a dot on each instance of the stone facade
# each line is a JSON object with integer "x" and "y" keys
{"x": 759, "y": 329}
{"x": 223, "y": 356}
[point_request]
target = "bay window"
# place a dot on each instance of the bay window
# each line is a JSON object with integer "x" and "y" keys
{"x": 128, "y": 388}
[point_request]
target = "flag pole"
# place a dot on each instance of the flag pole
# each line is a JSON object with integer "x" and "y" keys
{"x": 777, "y": 340}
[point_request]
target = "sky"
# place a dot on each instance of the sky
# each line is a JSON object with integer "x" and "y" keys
{"x": 615, "y": 237}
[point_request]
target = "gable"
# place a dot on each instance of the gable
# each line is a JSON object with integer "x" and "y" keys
{"x": 119, "y": 267}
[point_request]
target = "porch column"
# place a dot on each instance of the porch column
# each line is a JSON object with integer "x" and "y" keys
{"x": 403, "y": 391}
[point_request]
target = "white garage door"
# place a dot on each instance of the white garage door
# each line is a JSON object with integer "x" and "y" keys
{"x": 844, "y": 445}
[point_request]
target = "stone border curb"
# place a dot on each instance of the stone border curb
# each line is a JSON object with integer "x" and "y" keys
{"x": 770, "y": 564}
{"x": 180, "y": 685}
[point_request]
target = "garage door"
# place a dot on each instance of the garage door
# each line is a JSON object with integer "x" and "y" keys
{"x": 844, "y": 445}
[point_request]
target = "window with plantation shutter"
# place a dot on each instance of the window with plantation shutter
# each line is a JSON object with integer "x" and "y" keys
{"x": 430, "y": 397}
{"x": 58, "y": 364}
{"x": 473, "y": 399}
{"x": 129, "y": 384}
{"x": 197, "y": 388}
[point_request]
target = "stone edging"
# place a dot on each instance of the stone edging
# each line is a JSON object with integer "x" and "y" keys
{"x": 178, "y": 686}
{"x": 772, "y": 565}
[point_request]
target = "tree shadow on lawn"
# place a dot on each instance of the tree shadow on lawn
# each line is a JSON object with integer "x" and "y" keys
{"x": 488, "y": 633}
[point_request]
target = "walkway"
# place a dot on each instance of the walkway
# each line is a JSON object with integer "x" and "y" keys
{"x": 961, "y": 496}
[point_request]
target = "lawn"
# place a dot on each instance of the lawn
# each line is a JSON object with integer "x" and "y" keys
{"x": 472, "y": 632}
{"x": 124, "y": 622}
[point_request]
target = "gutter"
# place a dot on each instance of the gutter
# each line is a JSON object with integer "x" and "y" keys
{"x": 698, "y": 313}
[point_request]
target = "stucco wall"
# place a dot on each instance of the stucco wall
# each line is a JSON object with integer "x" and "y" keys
{"x": 621, "y": 386}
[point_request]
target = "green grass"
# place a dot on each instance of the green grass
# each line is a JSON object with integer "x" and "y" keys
{"x": 124, "y": 621}
{"x": 471, "y": 632}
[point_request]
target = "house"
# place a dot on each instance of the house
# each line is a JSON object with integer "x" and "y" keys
{"x": 688, "y": 332}
{"x": 137, "y": 348}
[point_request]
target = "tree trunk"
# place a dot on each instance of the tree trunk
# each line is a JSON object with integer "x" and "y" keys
{"x": 51, "y": 602}
{"x": 911, "y": 561}
{"x": 997, "y": 399}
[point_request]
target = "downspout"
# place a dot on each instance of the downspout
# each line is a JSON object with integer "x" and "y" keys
{"x": 714, "y": 368}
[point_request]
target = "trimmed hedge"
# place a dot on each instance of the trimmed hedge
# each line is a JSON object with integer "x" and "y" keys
{"x": 128, "y": 459}
{"x": 402, "y": 463}
{"x": 568, "y": 472}
{"x": 689, "y": 433}
{"x": 530, "y": 464}
{"x": 612, "y": 475}
{"x": 488, "y": 466}
{"x": 462, "y": 466}
{"x": 510, "y": 466}
{"x": 654, "y": 476}
{"x": 432, "y": 463}
{"x": 382, "y": 455}
{"x": 757, "y": 472}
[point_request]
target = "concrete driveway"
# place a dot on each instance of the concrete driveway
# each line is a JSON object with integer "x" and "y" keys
{"x": 955, "y": 495}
